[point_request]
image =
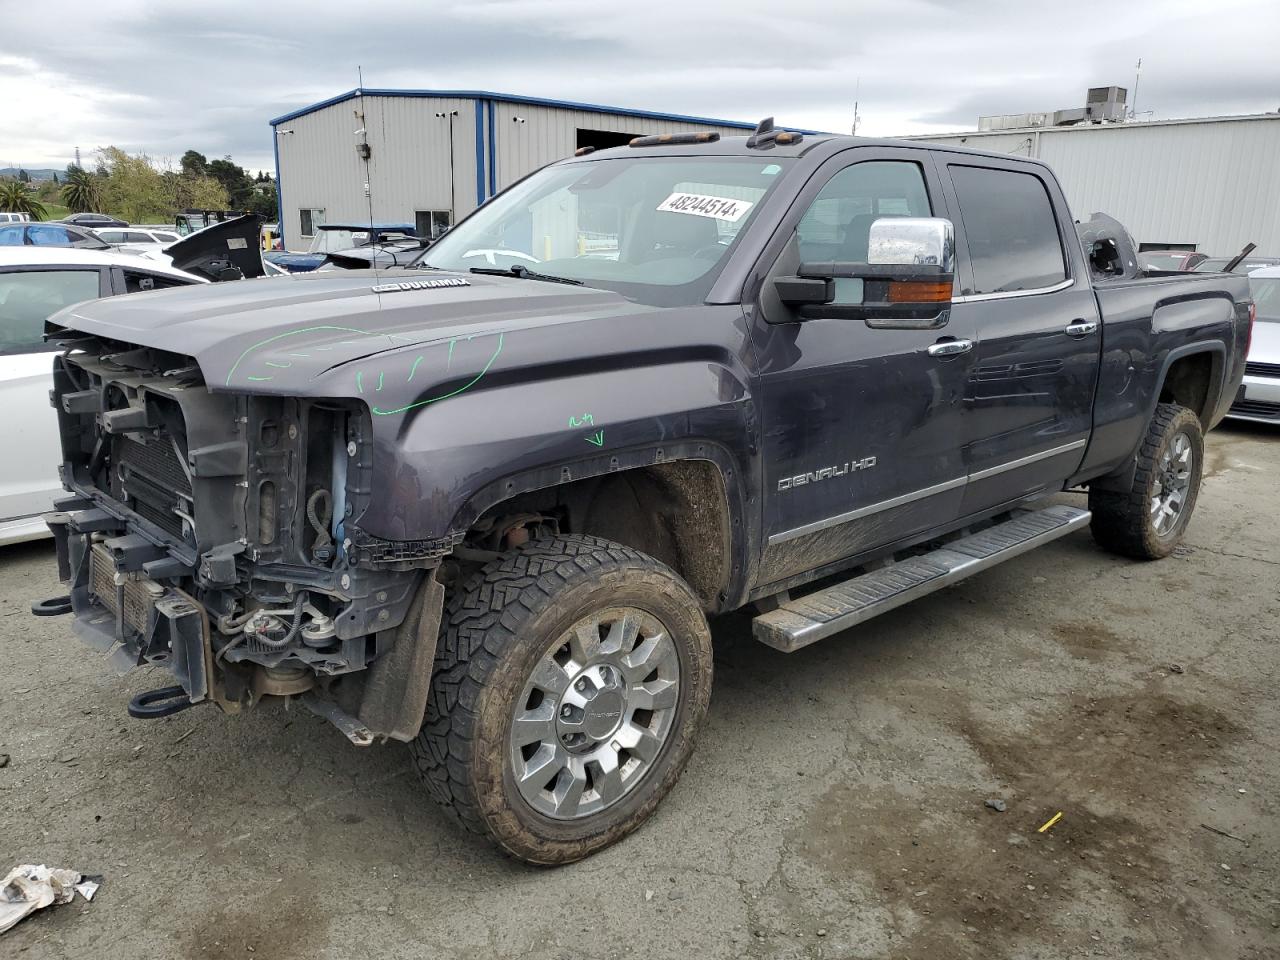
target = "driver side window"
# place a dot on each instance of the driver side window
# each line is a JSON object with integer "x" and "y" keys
{"x": 837, "y": 225}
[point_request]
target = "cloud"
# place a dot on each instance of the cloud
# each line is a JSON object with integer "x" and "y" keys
{"x": 164, "y": 77}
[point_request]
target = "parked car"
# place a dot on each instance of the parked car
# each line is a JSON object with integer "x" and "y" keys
{"x": 341, "y": 238}
{"x": 143, "y": 238}
{"x": 53, "y": 234}
{"x": 94, "y": 220}
{"x": 15, "y": 217}
{"x": 376, "y": 255}
{"x": 486, "y": 504}
{"x": 1247, "y": 265}
{"x": 1258, "y": 398}
{"x": 1170, "y": 259}
{"x": 36, "y": 282}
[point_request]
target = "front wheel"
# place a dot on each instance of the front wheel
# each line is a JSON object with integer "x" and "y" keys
{"x": 570, "y": 680}
{"x": 1150, "y": 519}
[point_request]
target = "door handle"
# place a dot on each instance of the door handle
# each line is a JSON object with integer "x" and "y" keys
{"x": 949, "y": 348}
{"x": 1082, "y": 328}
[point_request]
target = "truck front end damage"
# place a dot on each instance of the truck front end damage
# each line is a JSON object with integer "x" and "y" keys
{"x": 216, "y": 535}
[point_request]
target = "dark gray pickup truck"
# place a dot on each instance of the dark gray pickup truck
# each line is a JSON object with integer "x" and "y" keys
{"x": 485, "y": 504}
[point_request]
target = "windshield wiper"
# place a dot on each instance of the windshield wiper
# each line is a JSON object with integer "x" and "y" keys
{"x": 524, "y": 273}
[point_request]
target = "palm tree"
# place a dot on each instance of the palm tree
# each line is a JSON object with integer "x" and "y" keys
{"x": 17, "y": 197}
{"x": 79, "y": 190}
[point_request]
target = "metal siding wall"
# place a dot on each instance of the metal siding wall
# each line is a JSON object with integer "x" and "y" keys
{"x": 1210, "y": 183}
{"x": 410, "y": 162}
{"x": 409, "y": 165}
{"x": 551, "y": 133}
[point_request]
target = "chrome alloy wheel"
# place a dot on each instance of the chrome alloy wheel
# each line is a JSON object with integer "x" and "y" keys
{"x": 595, "y": 713}
{"x": 1172, "y": 485}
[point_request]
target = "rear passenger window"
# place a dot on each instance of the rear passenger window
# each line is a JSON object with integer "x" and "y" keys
{"x": 1010, "y": 228}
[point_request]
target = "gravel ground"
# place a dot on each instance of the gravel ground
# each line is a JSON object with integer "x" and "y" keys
{"x": 834, "y": 808}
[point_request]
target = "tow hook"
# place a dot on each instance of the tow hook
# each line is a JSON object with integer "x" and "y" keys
{"x": 159, "y": 703}
{"x": 52, "y": 607}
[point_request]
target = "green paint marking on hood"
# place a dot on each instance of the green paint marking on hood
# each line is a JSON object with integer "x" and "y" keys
{"x": 378, "y": 411}
{"x": 292, "y": 333}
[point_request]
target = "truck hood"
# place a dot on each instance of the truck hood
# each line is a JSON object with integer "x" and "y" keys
{"x": 228, "y": 246}
{"x": 279, "y": 334}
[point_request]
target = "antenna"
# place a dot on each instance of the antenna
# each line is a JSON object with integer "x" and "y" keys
{"x": 364, "y": 152}
{"x": 1133, "y": 104}
{"x": 856, "y": 90}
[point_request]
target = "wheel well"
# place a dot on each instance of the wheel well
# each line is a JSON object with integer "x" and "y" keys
{"x": 676, "y": 512}
{"x": 1186, "y": 383}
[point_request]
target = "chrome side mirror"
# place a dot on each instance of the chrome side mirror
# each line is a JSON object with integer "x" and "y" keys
{"x": 913, "y": 241}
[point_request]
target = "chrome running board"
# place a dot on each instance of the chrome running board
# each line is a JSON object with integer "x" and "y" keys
{"x": 808, "y": 619}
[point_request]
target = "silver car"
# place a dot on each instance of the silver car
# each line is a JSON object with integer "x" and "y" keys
{"x": 1259, "y": 395}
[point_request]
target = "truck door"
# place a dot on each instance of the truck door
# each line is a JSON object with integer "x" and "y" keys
{"x": 859, "y": 425}
{"x": 1028, "y": 405}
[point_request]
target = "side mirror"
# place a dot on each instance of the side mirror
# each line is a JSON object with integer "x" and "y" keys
{"x": 907, "y": 278}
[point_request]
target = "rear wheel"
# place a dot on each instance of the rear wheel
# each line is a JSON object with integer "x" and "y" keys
{"x": 571, "y": 678}
{"x": 1149, "y": 520}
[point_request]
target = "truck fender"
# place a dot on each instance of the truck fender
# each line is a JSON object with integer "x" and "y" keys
{"x": 1121, "y": 479}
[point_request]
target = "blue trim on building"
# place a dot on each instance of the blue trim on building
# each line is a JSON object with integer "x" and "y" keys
{"x": 275, "y": 144}
{"x": 479, "y": 115}
{"x": 493, "y": 152}
{"x": 516, "y": 98}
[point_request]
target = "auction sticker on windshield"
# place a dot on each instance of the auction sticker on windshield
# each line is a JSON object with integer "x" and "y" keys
{"x": 700, "y": 205}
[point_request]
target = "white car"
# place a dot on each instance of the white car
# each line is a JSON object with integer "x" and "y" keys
{"x": 1259, "y": 396}
{"x": 36, "y": 282}
{"x": 15, "y": 218}
{"x": 142, "y": 239}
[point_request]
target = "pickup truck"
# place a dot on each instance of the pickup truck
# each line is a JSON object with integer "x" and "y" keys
{"x": 486, "y": 504}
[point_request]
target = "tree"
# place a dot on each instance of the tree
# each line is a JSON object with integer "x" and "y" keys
{"x": 132, "y": 187}
{"x": 233, "y": 179}
{"x": 196, "y": 192}
{"x": 194, "y": 164}
{"x": 263, "y": 202}
{"x": 17, "y": 197}
{"x": 80, "y": 190}
{"x": 23, "y": 176}
{"x": 55, "y": 176}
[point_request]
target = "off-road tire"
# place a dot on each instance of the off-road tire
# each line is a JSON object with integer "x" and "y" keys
{"x": 496, "y": 628}
{"x": 1122, "y": 521}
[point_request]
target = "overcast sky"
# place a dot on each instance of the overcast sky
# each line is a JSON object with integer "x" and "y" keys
{"x": 162, "y": 77}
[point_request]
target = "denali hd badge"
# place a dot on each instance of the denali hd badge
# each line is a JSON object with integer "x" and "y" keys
{"x": 826, "y": 473}
{"x": 420, "y": 285}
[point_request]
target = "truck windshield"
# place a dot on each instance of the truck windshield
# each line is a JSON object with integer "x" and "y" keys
{"x": 655, "y": 229}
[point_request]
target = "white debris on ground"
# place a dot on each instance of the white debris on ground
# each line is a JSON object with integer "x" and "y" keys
{"x": 29, "y": 888}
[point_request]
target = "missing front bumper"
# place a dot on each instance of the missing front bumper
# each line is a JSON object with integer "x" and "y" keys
{"x": 118, "y": 608}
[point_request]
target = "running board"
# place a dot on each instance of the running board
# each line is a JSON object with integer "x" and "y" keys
{"x": 815, "y": 617}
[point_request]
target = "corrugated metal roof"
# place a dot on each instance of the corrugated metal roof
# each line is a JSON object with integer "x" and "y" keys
{"x": 1077, "y": 127}
{"x": 517, "y": 98}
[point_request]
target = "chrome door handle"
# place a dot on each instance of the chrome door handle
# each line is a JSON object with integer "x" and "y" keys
{"x": 949, "y": 348}
{"x": 1082, "y": 328}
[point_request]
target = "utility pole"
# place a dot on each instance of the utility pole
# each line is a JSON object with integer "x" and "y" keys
{"x": 856, "y": 90}
{"x": 450, "y": 115}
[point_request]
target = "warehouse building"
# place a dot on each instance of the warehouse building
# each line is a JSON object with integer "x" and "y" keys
{"x": 430, "y": 157}
{"x": 1210, "y": 184}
